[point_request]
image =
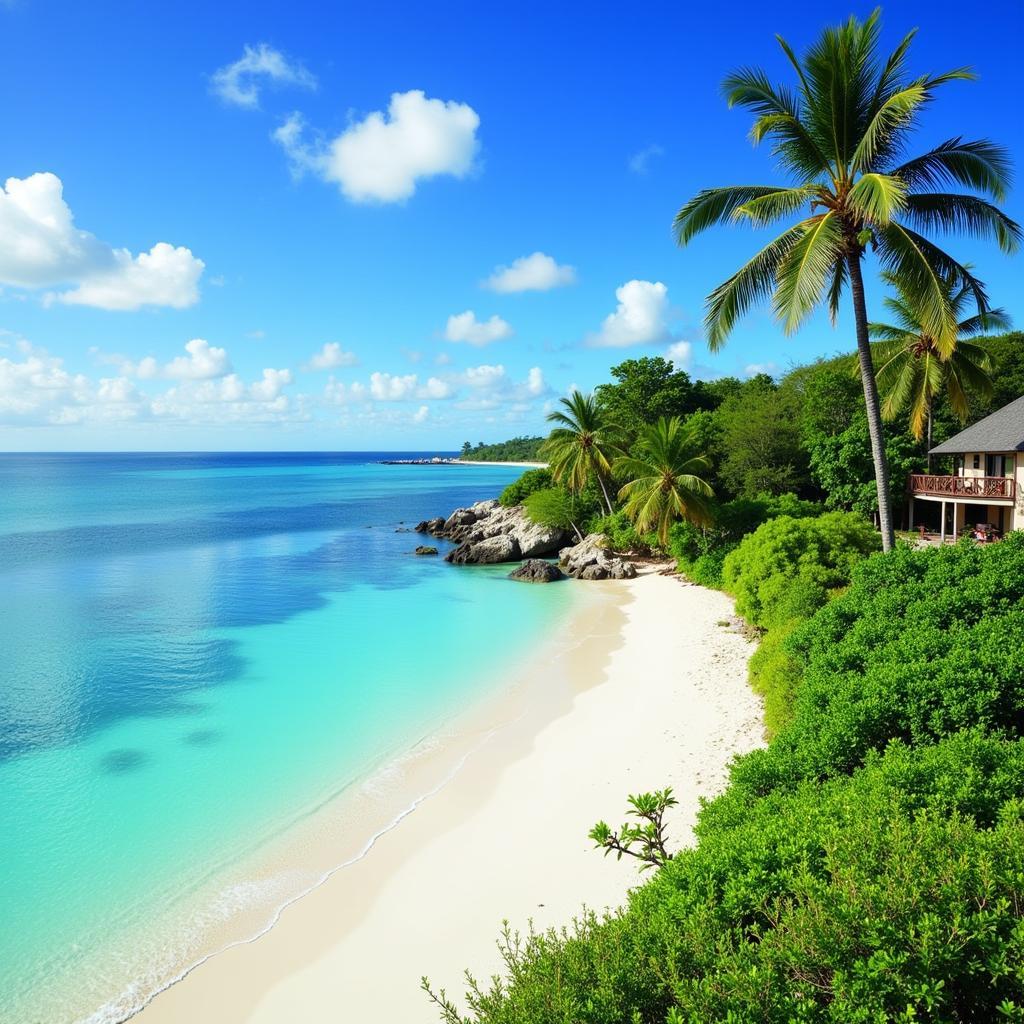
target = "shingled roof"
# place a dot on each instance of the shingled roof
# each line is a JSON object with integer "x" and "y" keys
{"x": 1003, "y": 431}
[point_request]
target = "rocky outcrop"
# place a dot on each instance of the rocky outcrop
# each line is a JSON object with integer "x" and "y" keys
{"x": 501, "y": 548}
{"x": 592, "y": 559}
{"x": 425, "y": 549}
{"x": 488, "y": 532}
{"x": 536, "y": 570}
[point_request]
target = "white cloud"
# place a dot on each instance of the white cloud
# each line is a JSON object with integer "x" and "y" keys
{"x": 638, "y": 162}
{"x": 269, "y": 388}
{"x": 641, "y": 317}
{"x": 36, "y": 389}
{"x": 42, "y": 248}
{"x": 421, "y": 414}
{"x": 381, "y": 158}
{"x": 535, "y": 384}
{"x": 239, "y": 83}
{"x": 330, "y": 357}
{"x": 681, "y": 354}
{"x": 537, "y": 272}
{"x": 753, "y": 369}
{"x": 442, "y": 359}
{"x": 202, "y": 362}
{"x": 387, "y": 387}
{"x": 464, "y": 327}
{"x": 338, "y": 392}
{"x": 164, "y": 276}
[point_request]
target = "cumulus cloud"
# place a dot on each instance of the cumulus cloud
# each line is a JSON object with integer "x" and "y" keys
{"x": 42, "y": 248}
{"x": 421, "y": 414}
{"x": 641, "y": 317}
{"x": 681, "y": 354}
{"x": 537, "y": 272}
{"x": 37, "y": 389}
{"x": 464, "y": 327}
{"x": 330, "y": 357}
{"x": 381, "y": 158}
{"x": 239, "y": 83}
{"x": 753, "y": 369}
{"x": 638, "y": 162}
{"x": 387, "y": 387}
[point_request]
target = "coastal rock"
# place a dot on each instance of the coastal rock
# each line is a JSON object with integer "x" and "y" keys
{"x": 536, "y": 570}
{"x": 501, "y": 548}
{"x": 486, "y": 521}
{"x": 425, "y": 549}
{"x": 591, "y": 559}
{"x": 431, "y": 526}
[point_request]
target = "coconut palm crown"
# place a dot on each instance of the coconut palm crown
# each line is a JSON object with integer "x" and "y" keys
{"x": 583, "y": 445}
{"x": 840, "y": 134}
{"x": 664, "y": 484}
{"x": 912, "y": 369}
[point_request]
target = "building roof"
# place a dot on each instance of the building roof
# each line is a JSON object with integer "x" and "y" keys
{"x": 1003, "y": 431}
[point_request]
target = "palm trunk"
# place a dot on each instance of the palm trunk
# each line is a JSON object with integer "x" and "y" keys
{"x": 928, "y": 454}
{"x": 867, "y": 376}
{"x": 604, "y": 491}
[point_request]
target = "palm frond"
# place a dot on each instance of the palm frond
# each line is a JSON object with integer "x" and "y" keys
{"x": 895, "y": 112}
{"x": 773, "y": 205}
{"x": 753, "y": 282}
{"x": 713, "y": 206}
{"x": 967, "y": 215}
{"x": 990, "y": 320}
{"x": 978, "y": 164}
{"x": 877, "y": 197}
{"x": 806, "y": 269}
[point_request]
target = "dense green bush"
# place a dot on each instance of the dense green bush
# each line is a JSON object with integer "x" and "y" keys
{"x": 519, "y": 490}
{"x": 787, "y": 567}
{"x": 921, "y": 645}
{"x": 892, "y": 895}
{"x": 700, "y": 551}
{"x": 551, "y": 506}
{"x": 623, "y": 535}
{"x": 775, "y": 672}
{"x": 517, "y": 449}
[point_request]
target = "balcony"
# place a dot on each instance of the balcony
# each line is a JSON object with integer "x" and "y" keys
{"x": 969, "y": 488}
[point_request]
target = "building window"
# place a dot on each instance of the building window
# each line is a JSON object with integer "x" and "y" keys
{"x": 977, "y": 460}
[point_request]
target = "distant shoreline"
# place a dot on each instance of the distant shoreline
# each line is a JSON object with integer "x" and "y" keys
{"x": 438, "y": 460}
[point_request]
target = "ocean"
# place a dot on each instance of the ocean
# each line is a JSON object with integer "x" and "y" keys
{"x": 196, "y": 653}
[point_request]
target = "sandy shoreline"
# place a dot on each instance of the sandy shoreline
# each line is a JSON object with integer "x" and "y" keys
{"x": 483, "y": 462}
{"x": 654, "y": 678}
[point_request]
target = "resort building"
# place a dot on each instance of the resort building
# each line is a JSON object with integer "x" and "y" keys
{"x": 985, "y": 492}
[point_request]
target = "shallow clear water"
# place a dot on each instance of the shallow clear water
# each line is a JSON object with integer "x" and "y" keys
{"x": 194, "y": 649}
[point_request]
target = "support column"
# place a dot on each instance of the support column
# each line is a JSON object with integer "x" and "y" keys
{"x": 955, "y": 509}
{"x": 942, "y": 524}
{"x": 910, "y": 513}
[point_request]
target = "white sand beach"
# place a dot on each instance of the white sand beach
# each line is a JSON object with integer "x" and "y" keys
{"x": 657, "y": 695}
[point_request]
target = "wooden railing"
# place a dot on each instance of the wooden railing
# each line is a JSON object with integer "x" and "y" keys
{"x": 979, "y": 487}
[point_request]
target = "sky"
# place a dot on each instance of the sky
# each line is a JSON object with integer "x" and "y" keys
{"x": 400, "y": 225}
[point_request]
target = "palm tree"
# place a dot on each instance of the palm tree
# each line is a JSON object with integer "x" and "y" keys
{"x": 912, "y": 369}
{"x": 840, "y": 134}
{"x": 583, "y": 446}
{"x": 664, "y": 485}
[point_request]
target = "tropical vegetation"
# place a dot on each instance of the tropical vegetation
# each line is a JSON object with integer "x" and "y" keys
{"x": 867, "y": 865}
{"x": 841, "y": 136}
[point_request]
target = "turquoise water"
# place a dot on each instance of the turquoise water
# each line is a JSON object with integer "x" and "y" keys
{"x": 195, "y": 650}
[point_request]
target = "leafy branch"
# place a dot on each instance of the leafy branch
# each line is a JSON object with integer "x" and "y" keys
{"x": 645, "y": 841}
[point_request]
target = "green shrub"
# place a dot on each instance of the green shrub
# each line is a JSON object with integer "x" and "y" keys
{"x": 701, "y": 551}
{"x": 551, "y": 506}
{"x": 922, "y": 644}
{"x": 775, "y": 673}
{"x": 893, "y": 895}
{"x": 519, "y": 490}
{"x": 786, "y": 568}
{"x": 623, "y": 534}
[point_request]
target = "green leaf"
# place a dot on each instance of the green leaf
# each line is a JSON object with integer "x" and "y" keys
{"x": 878, "y": 197}
{"x": 806, "y": 270}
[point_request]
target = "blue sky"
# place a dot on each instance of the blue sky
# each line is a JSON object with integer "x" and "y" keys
{"x": 288, "y": 220}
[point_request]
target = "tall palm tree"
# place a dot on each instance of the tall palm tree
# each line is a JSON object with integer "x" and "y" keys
{"x": 840, "y": 135}
{"x": 912, "y": 368}
{"x": 583, "y": 445}
{"x": 664, "y": 484}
